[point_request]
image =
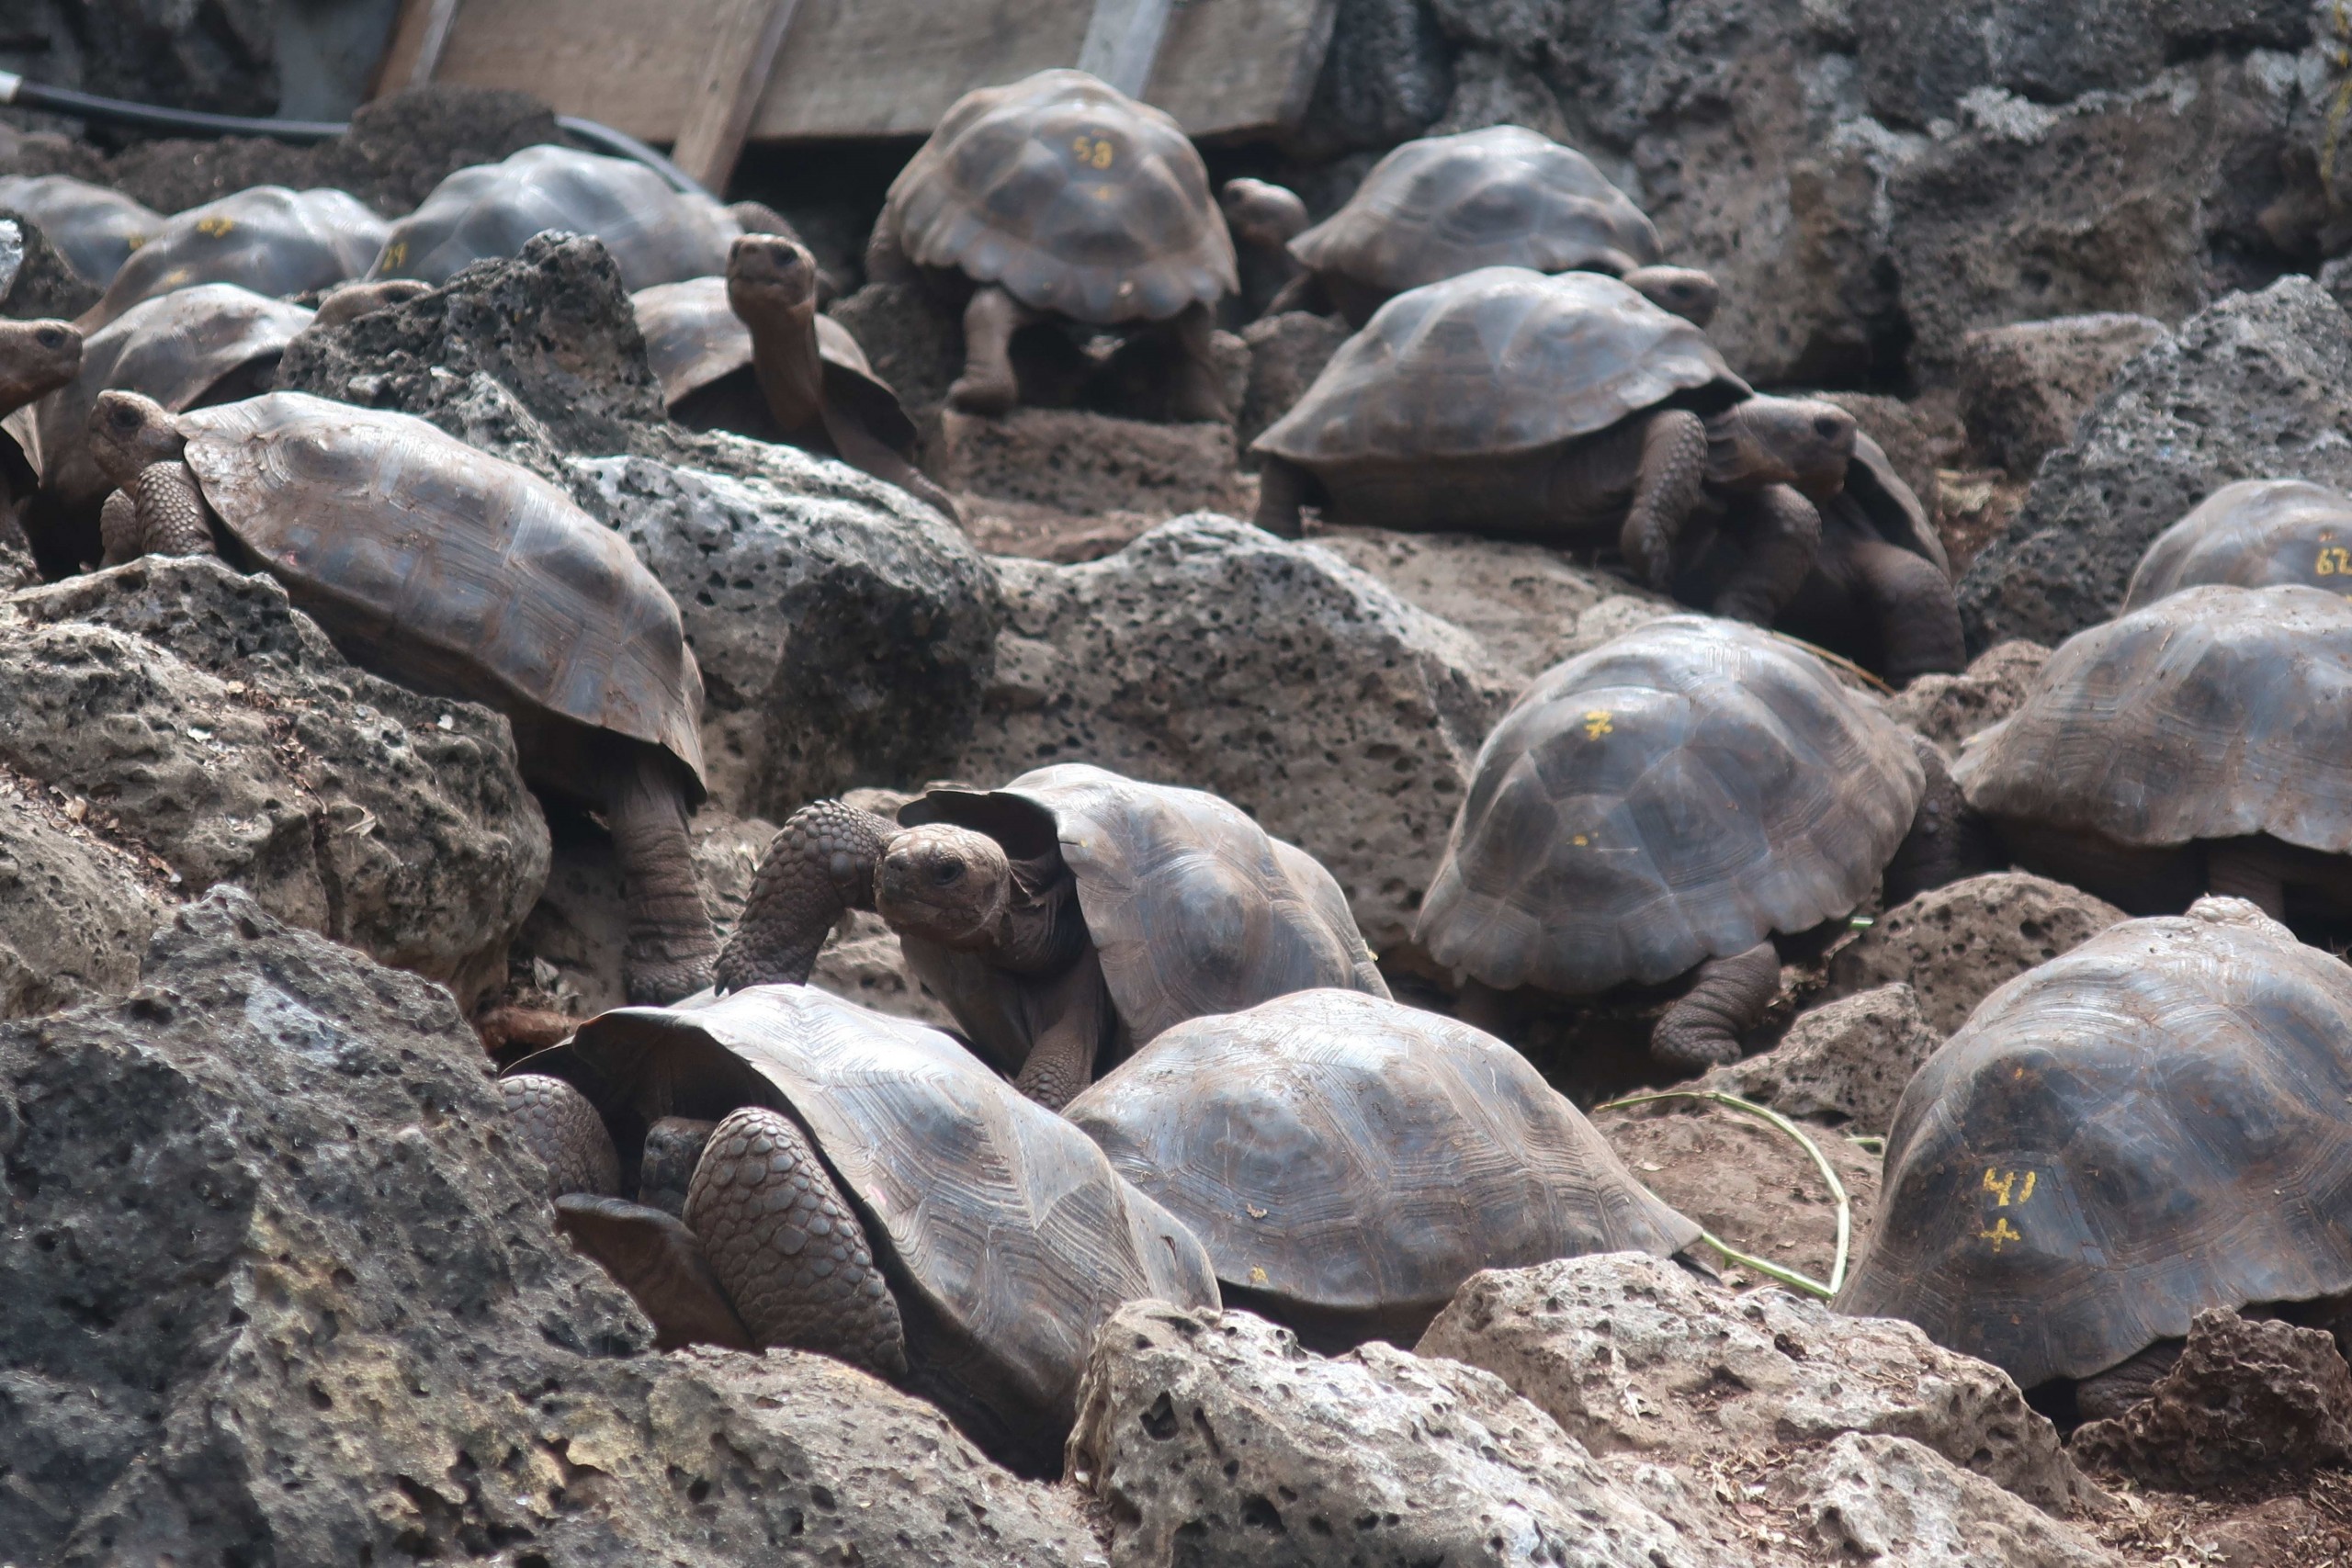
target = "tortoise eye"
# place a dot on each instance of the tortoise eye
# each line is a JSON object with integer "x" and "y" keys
{"x": 49, "y": 337}
{"x": 947, "y": 873}
{"x": 1825, "y": 427}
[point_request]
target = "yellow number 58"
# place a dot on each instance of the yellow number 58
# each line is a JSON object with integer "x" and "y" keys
{"x": 1094, "y": 151}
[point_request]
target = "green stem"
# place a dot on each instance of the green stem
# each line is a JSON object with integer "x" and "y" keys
{"x": 1820, "y": 1161}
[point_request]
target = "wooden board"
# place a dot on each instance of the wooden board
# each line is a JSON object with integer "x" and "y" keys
{"x": 875, "y": 68}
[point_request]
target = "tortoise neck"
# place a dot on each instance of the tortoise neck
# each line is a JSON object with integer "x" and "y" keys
{"x": 1042, "y": 929}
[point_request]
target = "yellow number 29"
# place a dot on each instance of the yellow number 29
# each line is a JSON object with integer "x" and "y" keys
{"x": 1094, "y": 151}
{"x": 2334, "y": 561}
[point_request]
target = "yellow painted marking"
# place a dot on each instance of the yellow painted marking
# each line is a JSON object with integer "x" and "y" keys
{"x": 1095, "y": 151}
{"x": 2334, "y": 561}
{"x": 2028, "y": 1186}
{"x": 1579, "y": 840}
{"x": 2004, "y": 1188}
{"x": 136, "y": 241}
{"x": 216, "y": 226}
{"x": 396, "y": 253}
{"x": 1257, "y": 1275}
{"x": 1597, "y": 724}
{"x": 1255, "y": 1212}
{"x": 2000, "y": 1234}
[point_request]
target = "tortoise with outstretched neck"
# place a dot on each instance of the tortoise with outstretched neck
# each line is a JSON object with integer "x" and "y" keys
{"x": 1061, "y": 198}
{"x": 2253, "y": 533}
{"x": 451, "y": 570}
{"x": 2196, "y": 744}
{"x": 861, "y": 1186}
{"x": 1659, "y": 807}
{"x": 1506, "y": 195}
{"x": 2148, "y": 1126}
{"x": 750, "y": 353}
{"x": 35, "y": 359}
{"x": 271, "y": 240}
{"x": 1565, "y": 409}
{"x": 1349, "y": 1162}
{"x": 1065, "y": 918}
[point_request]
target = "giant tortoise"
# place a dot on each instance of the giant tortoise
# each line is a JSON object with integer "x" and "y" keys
{"x": 654, "y": 234}
{"x": 2253, "y": 533}
{"x": 750, "y": 353}
{"x": 2199, "y": 743}
{"x": 1567, "y": 409}
{"x": 271, "y": 240}
{"x": 2148, "y": 1126}
{"x": 210, "y": 342}
{"x": 1506, "y": 195}
{"x": 1349, "y": 1162}
{"x": 36, "y": 358}
{"x": 1665, "y": 804}
{"x": 870, "y": 1191}
{"x": 1065, "y": 918}
{"x": 453, "y": 571}
{"x": 96, "y": 228}
{"x": 1060, "y": 196}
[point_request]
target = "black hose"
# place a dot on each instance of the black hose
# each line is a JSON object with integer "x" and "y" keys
{"x": 15, "y": 89}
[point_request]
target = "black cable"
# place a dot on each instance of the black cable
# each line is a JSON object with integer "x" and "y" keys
{"x": 15, "y": 89}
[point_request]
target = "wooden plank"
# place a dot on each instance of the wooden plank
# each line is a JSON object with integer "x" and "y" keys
{"x": 634, "y": 67}
{"x": 1122, "y": 41}
{"x": 735, "y": 75}
{"x": 420, "y": 33}
{"x": 1231, "y": 67}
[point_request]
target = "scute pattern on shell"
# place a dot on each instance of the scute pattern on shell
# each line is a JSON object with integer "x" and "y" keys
{"x": 268, "y": 239}
{"x": 1192, "y": 906}
{"x": 654, "y": 234}
{"x": 2212, "y": 712}
{"x": 1350, "y": 1153}
{"x": 1502, "y": 197}
{"x": 1677, "y": 794}
{"x": 175, "y": 349}
{"x": 2144, "y": 1127}
{"x": 694, "y": 337}
{"x": 1008, "y": 1220}
{"x": 513, "y": 580}
{"x": 1070, "y": 193}
{"x": 96, "y": 228}
{"x": 1494, "y": 362}
{"x": 2253, "y": 533}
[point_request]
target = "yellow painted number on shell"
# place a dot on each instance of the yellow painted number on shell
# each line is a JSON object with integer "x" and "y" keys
{"x": 2006, "y": 1188}
{"x": 2334, "y": 561}
{"x": 1597, "y": 723}
{"x": 1095, "y": 152}
{"x": 215, "y": 227}
{"x": 2001, "y": 1234}
{"x": 135, "y": 240}
{"x": 1257, "y": 1275}
{"x": 396, "y": 253}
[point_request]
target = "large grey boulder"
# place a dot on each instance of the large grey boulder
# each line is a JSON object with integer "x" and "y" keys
{"x": 207, "y": 722}
{"x": 2257, "y": 386}
{"x": 1954, "y": 945}
{"x": 2023, "y": 386}
{"x": 1947, "y": 709}
{"x": 79, "y": 908}
{"x": 1211, "y": 654}
{"x": 1388, "y": 74}
{"x": 1892, "y": 1501}
{"x": 846, "y": 632}
{"x": 1846, "y": 1061}
{"x": 283, "y": 1288}
{"x": 1635, "y": 1355}
{"x": 1213, "y": 1440}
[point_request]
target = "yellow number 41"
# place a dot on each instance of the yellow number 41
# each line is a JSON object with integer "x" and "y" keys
{"x": 2334, "y": 561}
{"x": 1097, "y": 152}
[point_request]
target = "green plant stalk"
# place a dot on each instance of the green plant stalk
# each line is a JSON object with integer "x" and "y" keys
{"x": 1821, "y": 1163}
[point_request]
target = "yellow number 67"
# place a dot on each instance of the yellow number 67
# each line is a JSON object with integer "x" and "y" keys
{"x": 2334, "y": 561}
{"x": 1095, "y": 151}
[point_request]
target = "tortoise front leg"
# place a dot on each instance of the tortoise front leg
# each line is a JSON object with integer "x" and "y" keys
{"x": 1197, "y": 394}
{"x": 2247, "y": 869}
{"x": 1919, "y": 619}
{"x": 1783, "y": 535}
{"x": 671, "y": 945}
{"x": 1672, "y": 472}
{"x": 660, "y": 1264}
{"x": 1726, "y": 1001}
{"x": 162, "y": 513}
{"x": 789, "y": 1248}
{"x": 1283, "y": 488}
{"x": 820, "y": 863}
{"x": 987, "y": 385}
{"x": 1072, "y": 1015}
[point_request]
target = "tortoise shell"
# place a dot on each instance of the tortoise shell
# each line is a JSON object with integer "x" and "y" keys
{"x": 1498, "y": 362}
{"x": 654, "y": 234}
{"x": 96, "y": 228}
{"x": 1073, "y": 197}
{"x": 210, "y": 342}
{"x": 2213, "y": 713}
{"x": 1503, "y": 196}
{"x": 694, "y": 340}
{"x": 1192, "y": 908}
{"x": 450, "y": 567}
{"x": 1677, "y": 794}
{"x": 1358, "y": 1159}
{"x": 1007, "y": 1220}
{"x": 268, "y": 239}
{"x": 2147, "y": 1126}
{"x": 2253, "y": 533}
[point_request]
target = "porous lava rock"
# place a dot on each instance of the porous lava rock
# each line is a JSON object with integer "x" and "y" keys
{"x": 1954, "y": 945}
{"x": 79, "y": 909}
{"x": 1846, "y": 1061}
{"x": 1891, "y": 1501}
{"x": 2024, "y": 385}
{"x": 36, "y": 283}
{"x": 1947, "y": 709}
{"x": 2247, "y": 1397}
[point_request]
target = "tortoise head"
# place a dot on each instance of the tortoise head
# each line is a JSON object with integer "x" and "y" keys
{"x": 1782, "y": 441}
{"x": 349, "y": 301}
{"x": 770, "y": 276}
{"x": 1261, "y": 214}
{"x": 945, "y": 882}
{"x": 35, "y": 357}
{"x": 130, "y": 432}
{"x": 1684, "y": 291}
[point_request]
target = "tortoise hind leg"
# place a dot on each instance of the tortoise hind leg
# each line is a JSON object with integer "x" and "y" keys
{"x": 555, "y": 1121}
{"x": 820, "y": 863}
{"x": 1912, "y": 602}
{"x": 1726, "y": 1001}
{"x": 1282, "y": 489}
{"x": 1783, "y": 535}
{"x": 987, "y": 385}
{"x": 660, "y": 1264}
{"x": 671, "y": 949}
{"x": 789, "y": 1248}
{"x": 2108, "y": 1394}
{"x": 1195, "y": 394}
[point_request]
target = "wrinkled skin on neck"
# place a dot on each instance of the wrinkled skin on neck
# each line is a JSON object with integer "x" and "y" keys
{"x": 1684, "y": 291}
{"x": 35, "y": 357}
{"x": 772, "y": 285}
{"x": 1785, "y": 441}
{"x": 960, "y": 889}
{"x": 129, "y": 433}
